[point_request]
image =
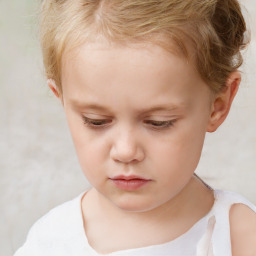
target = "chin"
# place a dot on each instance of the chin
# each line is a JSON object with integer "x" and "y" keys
{"x": 134, "y": 208}
{"x": 133, "y": 205}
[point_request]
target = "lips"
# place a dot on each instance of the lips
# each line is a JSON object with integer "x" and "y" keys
{"x": 129, "y": 183}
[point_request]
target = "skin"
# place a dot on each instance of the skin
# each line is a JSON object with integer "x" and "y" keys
{"x": 243, "y": 230}
{"x": 108, "y": 95}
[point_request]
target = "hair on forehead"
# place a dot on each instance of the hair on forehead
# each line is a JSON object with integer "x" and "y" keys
{"x": 214, "y": 30}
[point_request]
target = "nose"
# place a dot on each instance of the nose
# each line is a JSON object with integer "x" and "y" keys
{"x": 126, "y": 148}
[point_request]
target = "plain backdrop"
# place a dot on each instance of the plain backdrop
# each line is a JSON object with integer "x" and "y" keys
{"x": 38, "y": 165}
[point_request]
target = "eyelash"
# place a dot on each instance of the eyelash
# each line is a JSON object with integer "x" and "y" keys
{"x": 101, "y": 123}
{"x": 161, "y": 124}
{"x": 95, "y": 123}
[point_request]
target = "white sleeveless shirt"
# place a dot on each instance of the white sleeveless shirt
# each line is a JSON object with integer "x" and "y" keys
{"x": 61, "y": 233}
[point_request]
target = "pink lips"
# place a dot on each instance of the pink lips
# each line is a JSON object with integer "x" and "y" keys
{"x": 129, "y": 183}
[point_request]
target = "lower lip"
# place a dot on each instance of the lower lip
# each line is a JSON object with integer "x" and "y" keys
{"x": 130, "y": 185}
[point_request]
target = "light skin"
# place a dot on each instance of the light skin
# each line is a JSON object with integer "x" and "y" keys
{"x": 140, "y": 111}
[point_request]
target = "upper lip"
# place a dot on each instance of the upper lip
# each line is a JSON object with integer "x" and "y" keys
{"x": 130, "y": 177}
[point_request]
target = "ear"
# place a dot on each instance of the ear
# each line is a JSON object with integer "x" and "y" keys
{"x": 51, "y": 83}
{"x": 222, "y": 101}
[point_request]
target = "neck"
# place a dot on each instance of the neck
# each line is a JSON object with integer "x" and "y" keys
{"x": 159, "y": 225}
{"x": 185, "y": 202}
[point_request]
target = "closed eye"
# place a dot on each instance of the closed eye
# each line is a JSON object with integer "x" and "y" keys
{"x": 101, "y": 123}
{"x": 160, "y": 124}
{"x": 96, "y": 123}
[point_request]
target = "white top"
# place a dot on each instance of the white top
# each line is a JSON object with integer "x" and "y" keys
{"x": 61, "y": 233}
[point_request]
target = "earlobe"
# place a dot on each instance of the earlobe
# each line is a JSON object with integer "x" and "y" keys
{"x": 223, "y": 100}
{"x": 51, "y": 83}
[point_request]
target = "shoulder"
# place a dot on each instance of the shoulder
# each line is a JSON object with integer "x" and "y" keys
{"x": 235, "y": 227}
{"x": 242, "y": 230}
{"x": 58, "y": 226}
{"x": 59, "y": 216}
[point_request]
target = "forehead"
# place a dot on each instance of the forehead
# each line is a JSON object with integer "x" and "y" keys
{"x": 103, "y": 49}
{"x": 139, "y": 73}
{"x": 99, "y": 42}
{"x": 114, "y": 60}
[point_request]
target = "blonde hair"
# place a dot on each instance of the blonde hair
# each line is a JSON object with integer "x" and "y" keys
{"x": 214, "y": 28}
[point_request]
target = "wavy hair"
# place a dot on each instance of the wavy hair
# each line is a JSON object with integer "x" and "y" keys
{"x": 214, "y": 28}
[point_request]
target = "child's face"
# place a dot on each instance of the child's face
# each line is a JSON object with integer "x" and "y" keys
{"x": 135, "y": 112}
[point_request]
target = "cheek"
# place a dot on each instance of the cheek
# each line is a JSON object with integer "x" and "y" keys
{"x": 91, "y": 154}
{"x": 181, "y": 151}
{"x": 91, "y": 159}
{"x": 85, "y": 143}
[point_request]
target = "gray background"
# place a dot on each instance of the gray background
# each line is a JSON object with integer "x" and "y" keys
{"x": 38, "y": 165}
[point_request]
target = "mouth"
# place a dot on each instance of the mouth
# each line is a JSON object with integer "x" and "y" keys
{"x": 129, "y": 183}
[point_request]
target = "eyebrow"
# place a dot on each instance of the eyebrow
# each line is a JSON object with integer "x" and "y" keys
{"x": 93, "y": 106}
{"x": 78, "y": 104}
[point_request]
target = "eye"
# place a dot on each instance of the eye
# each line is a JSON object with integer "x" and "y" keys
{"x": 95, "y": 123}
{"x": 160, "y": 124}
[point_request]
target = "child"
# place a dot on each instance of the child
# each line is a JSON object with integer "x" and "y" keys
{"x": 141, "y": 82}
